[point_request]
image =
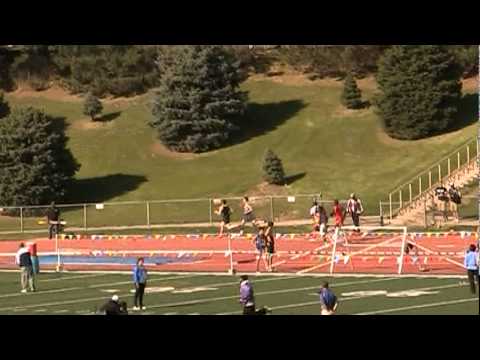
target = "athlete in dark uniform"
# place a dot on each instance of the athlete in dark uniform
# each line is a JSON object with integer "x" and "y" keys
{"x": 224, "y": 211}
{"x": 270, "y": 246}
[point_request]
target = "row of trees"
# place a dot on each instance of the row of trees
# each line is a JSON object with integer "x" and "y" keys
{"x": 359, "y": 60}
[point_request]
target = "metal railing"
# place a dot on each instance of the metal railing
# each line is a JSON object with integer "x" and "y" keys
{"x": 156, "y": 212}
{"x": 439, "y": 173}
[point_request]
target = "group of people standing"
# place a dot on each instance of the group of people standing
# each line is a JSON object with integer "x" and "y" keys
{"x": 319, "y": 215}
{"x": 447, "y": 201}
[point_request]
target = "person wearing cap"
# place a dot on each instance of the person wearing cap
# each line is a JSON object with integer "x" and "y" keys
{"x": 355, "y": 209}
{"x": 114, "y": 307}
{"x": 140, "y": 281}
{"x": 471, "y": 264}
{"x": 247, "y": 298}
{"x": 24, "y": 261}
{"x": 328, "y": 300}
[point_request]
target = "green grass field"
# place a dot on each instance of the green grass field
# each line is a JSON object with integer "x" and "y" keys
{"x": 190, "y": 294}
{"x": 323, "y": 147}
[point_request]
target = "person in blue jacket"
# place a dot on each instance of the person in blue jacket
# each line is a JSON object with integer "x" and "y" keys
{"x": 471, "y": 264}
{"x": 140, "y": 280}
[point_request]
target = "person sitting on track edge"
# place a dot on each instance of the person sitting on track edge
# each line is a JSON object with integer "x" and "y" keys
{"x": 247, "y": 298}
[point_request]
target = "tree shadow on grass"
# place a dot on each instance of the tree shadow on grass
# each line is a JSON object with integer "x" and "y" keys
{"x": 260, "y": 119}
{"x": 289, "y": 180}
{"x": 103, "y": 188}
{"x": 108, "y": 117}
{"x": 467, "y": 113}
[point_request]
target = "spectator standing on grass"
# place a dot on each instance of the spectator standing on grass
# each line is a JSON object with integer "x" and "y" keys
{"x": 140, "y": 280}
{"x": 53, "y": 216}
{"x": 355, "y": 209}
{"x": 24, "y": 261}
{"x": 471, "y": 264}
{"x": 328, "y": 300}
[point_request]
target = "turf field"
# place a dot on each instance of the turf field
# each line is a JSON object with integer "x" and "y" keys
{"x": 194, "y": 294}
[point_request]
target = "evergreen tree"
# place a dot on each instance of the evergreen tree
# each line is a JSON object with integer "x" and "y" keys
{"x": 351, "y": 96}
{"x": 420, "y": 89}
{"x": 198, "y": 98}
{"x": 273, "y": 169}
{"x": 92, "y": 106}
{"x": 35, "y": 165}
{"x": 4, "y": 107}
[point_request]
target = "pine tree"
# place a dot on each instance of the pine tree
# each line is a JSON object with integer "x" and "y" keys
{"x": 4, "y": 107}
{"x": 420, "y": 90}
{"x": 35, "y": 165}
{"x": 351, "y": 96}
{"x": 92, "y": 106}
{"x": 273, "y": 169}
{"x": 198, "y": 98}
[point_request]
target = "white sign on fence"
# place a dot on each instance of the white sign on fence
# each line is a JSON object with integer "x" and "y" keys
{"x": 291, "y": 199}
{"x": 100, "y": 206}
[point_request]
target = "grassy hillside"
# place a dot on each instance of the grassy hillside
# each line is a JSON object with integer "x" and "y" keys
{"x": 324, "y": 148}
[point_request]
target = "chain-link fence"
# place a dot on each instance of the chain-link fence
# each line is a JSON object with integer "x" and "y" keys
{"x": 146, "y": 214}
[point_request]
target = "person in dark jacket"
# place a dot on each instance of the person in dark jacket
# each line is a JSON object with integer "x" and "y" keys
{"x": 24, "y": 261}
{"x": 328, "y": 300}
{"x": 114, "y": 307}
{"x": 140, "y": 280}
{"x": 53, "y": 216}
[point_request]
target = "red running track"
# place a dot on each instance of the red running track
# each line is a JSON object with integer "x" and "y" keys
{"x": 372, "y": 253}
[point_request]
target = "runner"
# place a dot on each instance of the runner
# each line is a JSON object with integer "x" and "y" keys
{"x": 339, "y": 215}
{"x": 269, "y": 233}
{"x": 323, "y": 220}
{"x": 315, "y": 215}
{"x": 248, "y": 215}
{"x": 355, "y": 209}
{"x": 412, "y": 251}
{"x": 224, "y": 211}
{"x": 260, "y": 243}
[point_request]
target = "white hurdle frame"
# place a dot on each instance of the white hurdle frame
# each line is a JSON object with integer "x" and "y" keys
{"x": 369, "y": 229}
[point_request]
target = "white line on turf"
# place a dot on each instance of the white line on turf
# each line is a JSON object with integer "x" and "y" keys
{"x": 54, "y": 291}
{"x": 273, "y": 292}
{"x": 72, "y": 277}
{"x": 192, "y": 302}
{"x": 423, "y": 306}
{"x": 340, "y": 300}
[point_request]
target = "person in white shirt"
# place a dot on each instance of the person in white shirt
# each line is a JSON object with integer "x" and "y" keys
{"x": 24, "y": 261}
{"x": 355, "y": 209}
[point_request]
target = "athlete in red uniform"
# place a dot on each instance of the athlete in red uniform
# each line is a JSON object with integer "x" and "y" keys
{"x": 339, "y": 215}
